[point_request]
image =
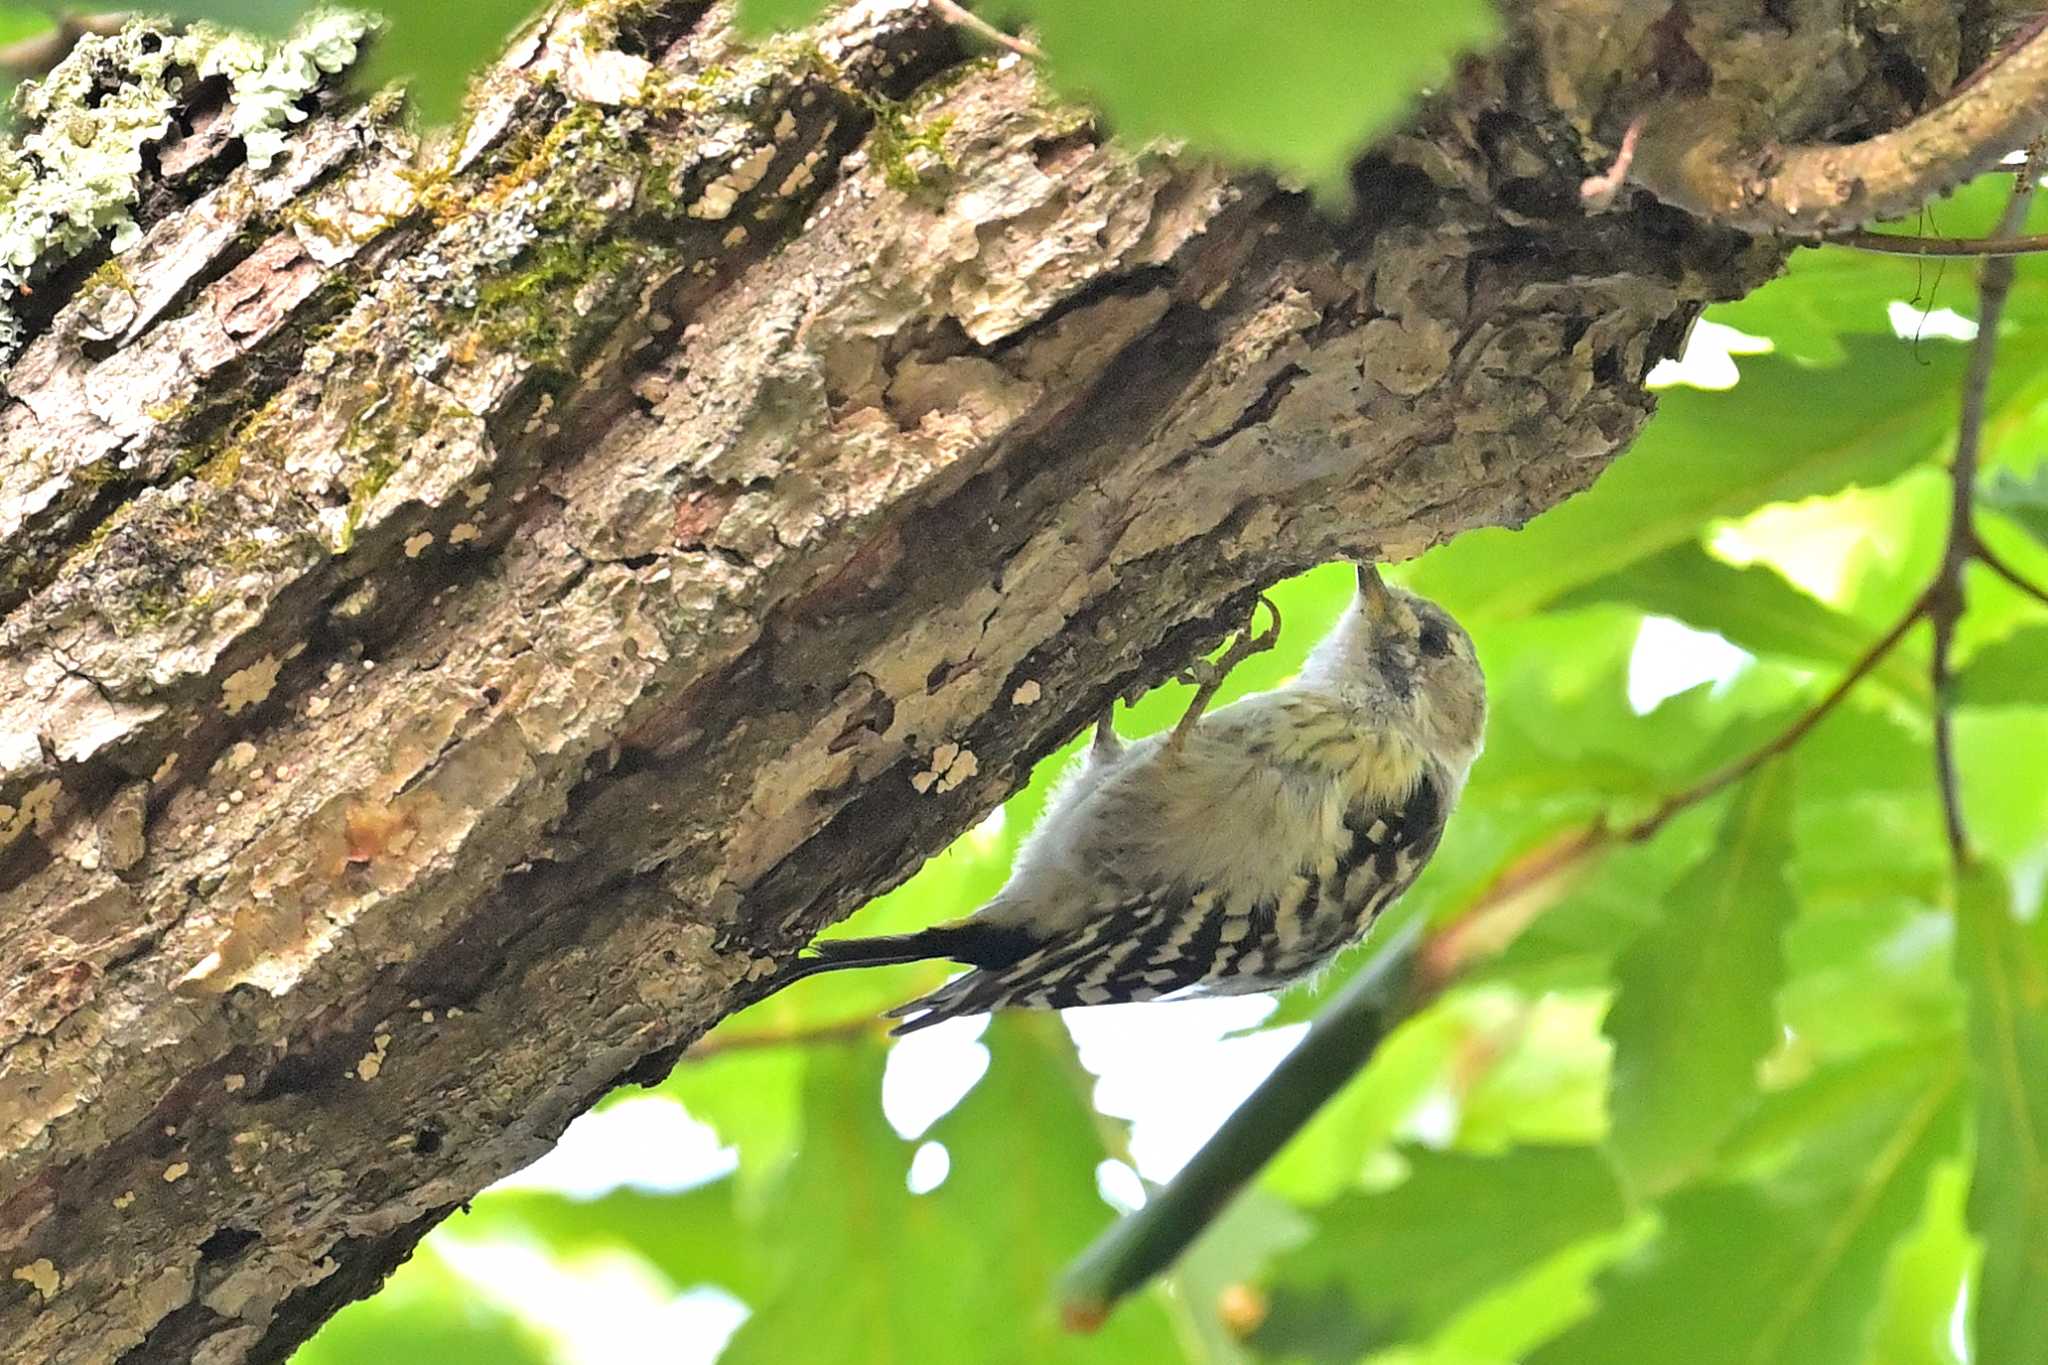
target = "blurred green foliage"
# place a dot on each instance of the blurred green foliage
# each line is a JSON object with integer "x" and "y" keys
{"x": 1770, "y": 1086}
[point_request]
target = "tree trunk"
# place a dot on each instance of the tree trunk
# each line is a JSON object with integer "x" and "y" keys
{"x": 471, "y": 614}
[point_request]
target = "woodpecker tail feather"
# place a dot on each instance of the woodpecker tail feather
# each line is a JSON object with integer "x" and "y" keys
{"x": 977, "y": 945}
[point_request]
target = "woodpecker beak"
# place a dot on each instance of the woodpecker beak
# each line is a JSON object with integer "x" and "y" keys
{"x": 1373, "y": 594}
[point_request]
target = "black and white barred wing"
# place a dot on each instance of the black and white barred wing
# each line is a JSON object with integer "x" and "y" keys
{"x": 1161, "y": 940}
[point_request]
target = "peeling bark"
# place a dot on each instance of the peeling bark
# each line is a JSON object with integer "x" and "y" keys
{"x": 471, "y": 613}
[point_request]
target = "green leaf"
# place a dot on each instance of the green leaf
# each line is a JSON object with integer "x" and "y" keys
{"x": 1828, "y": 293}
{"x": 436, "y": 47}
{"x": 1926, "y": 1279}
{"x": 1231, "y": 1252}
{"x": 1024, "y": 1146}
{"x": 1398, "y": 1265}
{"x": 693, "y": 1237}
{"x": 2004, "y": 971}
{"x": 1784, "y": 432}
{"x": 964, "y": 1272}
{"x": 851, "y": 1246}
{"x": 1753, "y": 607}
{"x": 2023, "y": 500}
{"x": 425, "y": 1311}
{"x": 23, "y": 21}
{"x": 753, "y": 1098}
{"x": 2002, "y": 752}
{"x": 1694, "y": 1009}
{"x": 1781, "y": 1272}
{"x": 2008, "y": 672}
{"x": 766, "y": 16}
{"x": 1302, "y": 87}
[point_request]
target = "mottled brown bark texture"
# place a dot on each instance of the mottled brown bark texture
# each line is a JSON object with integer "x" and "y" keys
{"x": 472, "y": 612}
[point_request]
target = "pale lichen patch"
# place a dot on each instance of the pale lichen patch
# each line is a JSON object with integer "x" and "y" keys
{"x": 416, "y": 542}
{"x": 372, "y": 1061}
{"x": 42, "y": 1276}
{"x": 177, "y": 1171}
{"x": 247, "y": 687}
{"x": 950, "y": 766}
{"x": 604, "y": 75}
{"x": 1027, "y": 692}
{"x": 35, "y": 811}
{"x": 75, "y": 174}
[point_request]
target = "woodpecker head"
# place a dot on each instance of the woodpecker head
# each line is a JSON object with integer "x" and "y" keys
{"x": 1409, "y": 654}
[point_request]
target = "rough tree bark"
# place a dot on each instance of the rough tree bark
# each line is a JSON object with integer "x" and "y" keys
{"x": 472, "y": 613}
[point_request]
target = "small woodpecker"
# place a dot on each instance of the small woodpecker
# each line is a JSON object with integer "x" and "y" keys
{"x": 1239, "y": 853}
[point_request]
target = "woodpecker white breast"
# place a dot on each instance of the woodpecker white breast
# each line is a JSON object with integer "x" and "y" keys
{"x": 1242, "y": 857}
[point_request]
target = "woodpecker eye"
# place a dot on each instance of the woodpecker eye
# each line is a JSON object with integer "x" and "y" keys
{"x": 1434, "y": 639}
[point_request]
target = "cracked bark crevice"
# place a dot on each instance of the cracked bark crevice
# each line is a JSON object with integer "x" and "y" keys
{"x": 493, "y": 602}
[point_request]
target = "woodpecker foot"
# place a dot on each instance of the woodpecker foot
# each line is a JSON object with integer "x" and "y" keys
{"x": 1206, "y": 675}
{"x": 1107, "y": 745}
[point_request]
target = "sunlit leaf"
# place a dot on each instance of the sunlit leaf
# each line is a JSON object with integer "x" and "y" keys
{"x": 1783, "y": 1271}
{"x": 692, "y": 1237}
{"x": 1223, "y": 1267}
{"x": 1694, "y": 1011}
{"x": 852, "y": 1245}
{"x": 1024, "y": 1146}
{"x": 2011, "y": 672}
{"x": 1753, "y": 607}
{"x": 1784, "y": 432}
{"x": 1301, "y": 87}
{"x": 1916, "y": 1314}
{"x": 2004, "y": 970}
{"x": 23, "y": 21}
{"x": 1397, "y": 1265}
{"x": 766, "y": 16}
{"x": 425, "y": 1312}
{"x": 2023, "y": 500}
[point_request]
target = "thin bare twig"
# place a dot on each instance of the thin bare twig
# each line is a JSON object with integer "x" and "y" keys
{"x": 1993, "y": 562}
{"x": 1902, "y": 244}
{"x": 1945, "y": 600}
{"x": 954, "y": 13}
{"x": 1798, "y": 730}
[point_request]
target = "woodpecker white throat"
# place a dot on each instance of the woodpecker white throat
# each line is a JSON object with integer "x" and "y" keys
{"x": 1239, "y": 853}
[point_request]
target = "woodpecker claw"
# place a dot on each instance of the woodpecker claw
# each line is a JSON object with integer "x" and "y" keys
{"x": 1206, "y": 675}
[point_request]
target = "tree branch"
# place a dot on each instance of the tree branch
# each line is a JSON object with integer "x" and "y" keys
{"x": 729, "y": 524}
{"x": 1698, "y": 156}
